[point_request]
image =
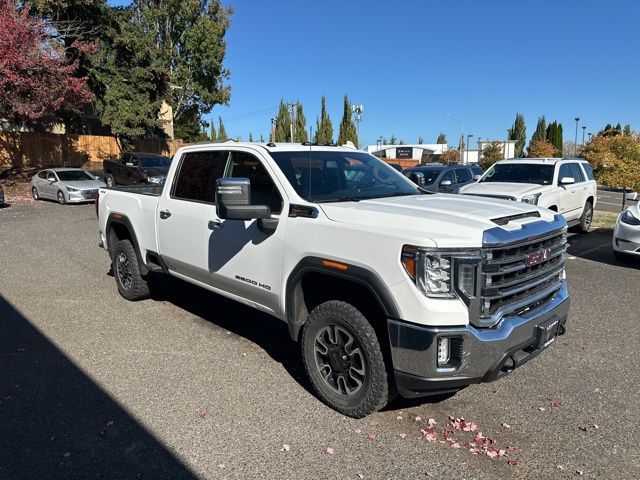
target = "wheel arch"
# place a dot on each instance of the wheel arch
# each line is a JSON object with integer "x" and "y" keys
{"x": 119, "y": 228}
{"x": 311, "y": 282}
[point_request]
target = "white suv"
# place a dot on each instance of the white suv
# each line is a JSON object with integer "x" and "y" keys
{"x": 566, "y": 186}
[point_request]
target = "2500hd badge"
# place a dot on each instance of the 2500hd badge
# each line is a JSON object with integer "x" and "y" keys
{"x": 253, "y": 282}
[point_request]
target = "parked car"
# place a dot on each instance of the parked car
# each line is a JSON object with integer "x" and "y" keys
{"x": 1, "y": 197}
{"x": 566, "y": 186}
{"x": 386, "y": 288}
{"x": 626, "y": 234}
{"x": 441, "y": 178}
{"x": 66, "y": 185}
{"x": 136, "y": 167}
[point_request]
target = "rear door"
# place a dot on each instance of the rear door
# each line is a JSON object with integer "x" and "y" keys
{"x": 183, "y": 213}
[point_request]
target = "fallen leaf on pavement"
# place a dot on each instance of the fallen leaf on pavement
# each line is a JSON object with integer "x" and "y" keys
{"x": 512, "y": 463}
{"x": 399, "y": 417}
{"x": 579, "y": 472}
{"x": 455, "y": 445}
{"x": 402, "y": 435}
{"x": 583, "y": 428}
{"x": 329, "y": 451}
{"x": 542, "y": 409}
{"x": 418, "y": 419}
{"x": 506, "y": 425}
{"x": 285, "y": 447}
{"x": 431, "y": 437}
{"x": 203, "y": 414}
{"x": 511, "y": 448}
{"x": 431, "y": 422}
{"x": 555, "y": 404}
{"x": 358, "y": 430}
{"x": 559, "y": 467}
{"x": 371, "y": 437}
{"x": 492, "y": 454}
{"x": 359, "y": 475}
{"x": 221, "y": 465}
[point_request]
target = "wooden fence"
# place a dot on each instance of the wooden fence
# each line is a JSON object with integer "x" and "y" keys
{"x": 43, "y": 150}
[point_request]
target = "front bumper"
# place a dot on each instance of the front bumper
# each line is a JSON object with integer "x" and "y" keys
{"x": 626, "y": 238}
{"x": 484, "y": 354}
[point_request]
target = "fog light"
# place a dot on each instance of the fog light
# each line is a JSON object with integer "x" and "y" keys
{"x": 443, "y": 351}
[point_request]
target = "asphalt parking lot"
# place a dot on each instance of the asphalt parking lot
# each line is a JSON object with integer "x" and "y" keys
{"x": 190, "y": 385}
{"x": 610, "y": 201}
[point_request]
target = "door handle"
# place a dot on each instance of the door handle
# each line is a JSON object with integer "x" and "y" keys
{"x": 165, "y": 214}
{"x": 215, "y": 224}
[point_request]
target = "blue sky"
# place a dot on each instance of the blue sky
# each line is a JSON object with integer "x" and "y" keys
{"x": 413, "y": 62}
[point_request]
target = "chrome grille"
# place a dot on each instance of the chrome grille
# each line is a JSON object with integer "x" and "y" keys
{"x": 520, "y": 277}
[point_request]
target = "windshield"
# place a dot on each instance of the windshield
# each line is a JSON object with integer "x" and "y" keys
{"x": 430, "y": 174}
{"x": 73, "y": 175}
{"x": 519, "y": 173}
{"x": 341, "y": 176}
{"x": 155, "y": 162}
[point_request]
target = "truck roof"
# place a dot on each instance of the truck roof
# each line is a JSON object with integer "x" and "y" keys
{"x": 278, "y": 146}
{"x": 550, "y": 160}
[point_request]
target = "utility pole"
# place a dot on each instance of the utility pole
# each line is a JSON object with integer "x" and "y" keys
{"x": 575, "y": 140}
{"x": 273, "y": 130}
{"x": 466, "y": 160}
{"x": 357, "y": 111}
{"x": 292, "y": 117}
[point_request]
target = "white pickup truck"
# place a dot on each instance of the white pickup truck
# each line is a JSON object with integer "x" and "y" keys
{"x": 566, "y": 186}
{"x": 387, "y": 288}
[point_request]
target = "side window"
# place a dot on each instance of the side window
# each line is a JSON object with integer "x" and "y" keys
{"x": 43, "y": 174}
{"x": 564, "y": 172}
{"x": 448, "y": 175}
{"x": 463, "y": 175}
{"x": 197, "y": 176}
{"x": 263, "y": 190}
{"x": 576, "y": 172}
{"x": 588, "y": 170}
{"x": 51, "y": 176}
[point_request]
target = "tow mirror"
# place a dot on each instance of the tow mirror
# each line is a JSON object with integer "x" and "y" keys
{"x": 631, "y": 195}
{"x": 417, "y": 178}
{"x": 233, "y": 200}
{"x": 445, "y": 183}
{"x": 567, "y": 180}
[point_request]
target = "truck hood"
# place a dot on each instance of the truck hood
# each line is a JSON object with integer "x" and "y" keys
{"x": 442, "y": 220}
{"x": 516, "y": 190}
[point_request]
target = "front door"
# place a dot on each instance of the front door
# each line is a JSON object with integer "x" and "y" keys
{"x": 568, "y": 199}
{"x": 183, "y": 214}
{"x": 242, "y": 259}
{"x": 49, "y": 188}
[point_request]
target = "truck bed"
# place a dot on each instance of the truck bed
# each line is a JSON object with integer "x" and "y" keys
{"x": 141, "y": 189}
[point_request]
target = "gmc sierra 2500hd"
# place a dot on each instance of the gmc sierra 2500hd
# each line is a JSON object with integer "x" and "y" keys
{"x": 387, "y": 288}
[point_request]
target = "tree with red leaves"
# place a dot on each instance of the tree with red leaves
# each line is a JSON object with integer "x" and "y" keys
{"x": 36, "y": 80}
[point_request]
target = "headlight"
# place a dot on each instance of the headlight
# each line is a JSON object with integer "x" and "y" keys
{"x": 155, "y": 179}
{"x": 441, "y": 274}
{"x": 628, "y": 218}
{"x": 71, "y": 189}
{"x": 532, "y": 199}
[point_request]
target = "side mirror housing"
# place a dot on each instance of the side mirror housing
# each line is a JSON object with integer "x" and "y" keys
{"x": 417, "y": 178}
{"x": 445, "y": 183}
{"x": 233, "y": 200}
{"x": 477, "y": 177}
{"x": 567, "y": 180}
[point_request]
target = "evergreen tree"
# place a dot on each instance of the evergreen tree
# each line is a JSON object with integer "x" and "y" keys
{"x": 250, "y": 137}
{"x": 213, "y": 135}
{"x": 300, "y": 129}
{"x": 385, "y": 141}
{"x": 283, "y": 124}
{"x": 402, "y": 142}
{"x": 347, "y": 127}
{"x": 222, "y": 133}
{"x": 461, "y": 144}
{"x": 554, "y": 135}
{"x": 442, "y": 139}
{"x": 627, "y": 130}
{"x": 261, "y": 139}
{"x": 518, "y": 133}
{"x": 559, "y": 141}
{"x": 393, "y": 140}
{"x": 618, "y": 129}
{"x": 540, "y": 133}
{"x": 420, "y": 140}
{"x": 324, "y": 129}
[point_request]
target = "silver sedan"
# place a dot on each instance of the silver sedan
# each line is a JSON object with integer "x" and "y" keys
{"x": 66, "y": 185}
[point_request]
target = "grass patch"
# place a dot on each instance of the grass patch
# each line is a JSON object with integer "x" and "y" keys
{"x": 604, "y": 219}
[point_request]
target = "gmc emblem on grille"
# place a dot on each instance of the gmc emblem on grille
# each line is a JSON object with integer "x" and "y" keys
{"x": 538, "y": 257}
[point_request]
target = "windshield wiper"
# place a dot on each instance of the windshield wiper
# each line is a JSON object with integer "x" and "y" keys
{"x": 341, "y": 199}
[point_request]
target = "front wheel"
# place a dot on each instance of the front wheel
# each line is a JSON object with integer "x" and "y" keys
{"x": 343, "y": 359}
{"x": 131, "y": 284}
{"x": 61, "y": 199}
{"x": 586, "y": 218}
{"x": 34, "y": 193}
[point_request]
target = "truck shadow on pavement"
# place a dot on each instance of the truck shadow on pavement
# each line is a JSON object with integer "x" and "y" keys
{"x": 596, "y": 246}
{"x": 57, "y": 423}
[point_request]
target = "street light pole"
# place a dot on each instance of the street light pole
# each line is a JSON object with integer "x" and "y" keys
{"x": 583, "y": 129}
{"x": 575, "y": 141}
{"x": 479, "y": 149}
{"x": 467, "y": 155}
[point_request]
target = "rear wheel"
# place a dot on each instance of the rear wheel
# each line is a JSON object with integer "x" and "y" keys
{"x": 586, "y": 218}
{"x": 61, "y": 199}
{"x": 34, "y": 193}
{"x": 343, "y": 359}
{"x": 131, "y": 284}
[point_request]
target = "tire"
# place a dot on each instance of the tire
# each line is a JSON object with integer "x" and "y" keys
{"x": 586, "y": 218}
{"x": 126, "y": 270}
{"x": 35, "y": 194}
{"x": 61, "y": 199}
{"x": 109, "y": 181}
{"x": 351, "y": 377}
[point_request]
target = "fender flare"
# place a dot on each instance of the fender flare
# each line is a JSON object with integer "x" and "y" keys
{"x": 359, "y": 275}
{"x": 121, "y": 219}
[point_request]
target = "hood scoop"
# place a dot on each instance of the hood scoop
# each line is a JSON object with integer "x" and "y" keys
{"x": 507, "y": 219}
